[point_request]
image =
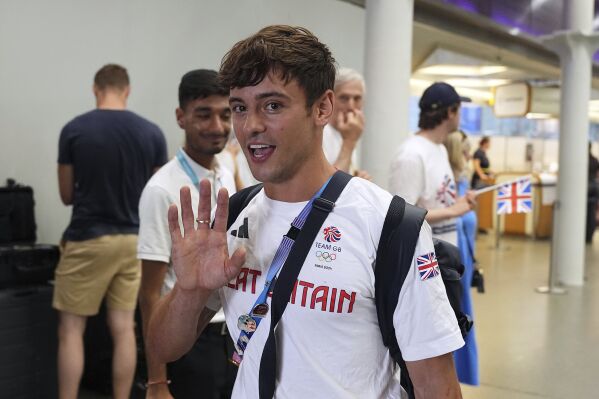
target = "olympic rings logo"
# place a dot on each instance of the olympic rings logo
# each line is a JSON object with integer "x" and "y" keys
{"x": 325, "y": 256}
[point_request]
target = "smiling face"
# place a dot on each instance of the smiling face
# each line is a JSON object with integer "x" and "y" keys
{"x": 278, "y": 133}
{"x": 207, "y": 124}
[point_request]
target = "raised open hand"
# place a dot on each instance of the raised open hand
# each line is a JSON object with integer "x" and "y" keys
{"x": 200, "y": 257}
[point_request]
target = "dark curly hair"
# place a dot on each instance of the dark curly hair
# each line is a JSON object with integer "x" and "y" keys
{"x": 431, "y": 119}
{"x": 288, "y": 51}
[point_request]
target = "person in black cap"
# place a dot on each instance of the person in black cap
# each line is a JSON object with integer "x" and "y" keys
{"x": 420, "y": 170}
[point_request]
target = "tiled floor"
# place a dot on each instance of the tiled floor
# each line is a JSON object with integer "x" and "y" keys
{"x": 531, "y": 345}
{"x": 535, "y": 345}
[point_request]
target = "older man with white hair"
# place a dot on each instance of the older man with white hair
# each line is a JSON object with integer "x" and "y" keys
{"x": 341, "y": 135}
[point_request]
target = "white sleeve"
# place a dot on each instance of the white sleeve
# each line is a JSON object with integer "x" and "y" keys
{"x": 331, "y": 145}
{"x": 406, "y": 177}
{"x": 154, "y": 240}
{"x": 425, "y": 324}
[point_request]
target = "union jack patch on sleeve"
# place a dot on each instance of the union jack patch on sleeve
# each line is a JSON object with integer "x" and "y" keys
{"x": 428, "y": 267}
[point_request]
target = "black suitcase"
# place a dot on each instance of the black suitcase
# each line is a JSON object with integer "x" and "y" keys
{"x": 17, "y": 217}
{"x": 27, "y": 264}
{"x": 28, "y": 343}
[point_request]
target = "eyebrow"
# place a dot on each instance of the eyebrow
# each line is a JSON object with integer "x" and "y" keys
{"x": 261, "y": 96}
{"x": 210, "y": 109}
{"x": 202, "y": 109}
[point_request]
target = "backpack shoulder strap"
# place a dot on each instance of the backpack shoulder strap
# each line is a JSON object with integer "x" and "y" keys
{"x": 240, "y": 200}
{"x": 395, "y": 252}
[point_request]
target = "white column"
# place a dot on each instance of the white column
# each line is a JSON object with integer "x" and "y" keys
{"x": 575, "y": 48}
{"x": 388, "y": 67}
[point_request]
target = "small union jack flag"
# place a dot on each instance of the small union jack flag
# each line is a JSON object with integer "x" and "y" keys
{"x": 332, "y": 234}
{"x": 446, "y": 193}
{"x": 515, "y": 197}
{"x": 428, "y": 267}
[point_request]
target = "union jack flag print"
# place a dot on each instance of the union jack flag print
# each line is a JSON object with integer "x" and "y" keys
{"x": 515, "y": 197}
{"x": 332, "y": 234}
{"x": 447, "y": 192}
{"x": 428, "y": 267}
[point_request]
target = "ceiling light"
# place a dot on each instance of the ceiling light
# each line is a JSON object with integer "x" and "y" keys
{"x": 477, "y": 82}
{"x": 532, "y": 115}
{"x": 420, "y": 83}
{"x": 474, "y": 94}
{"x": 462, "y": 70}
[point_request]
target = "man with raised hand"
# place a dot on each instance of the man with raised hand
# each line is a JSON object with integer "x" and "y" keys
{"x": 328, "y": 340}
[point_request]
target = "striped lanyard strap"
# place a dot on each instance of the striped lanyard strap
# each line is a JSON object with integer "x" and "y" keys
{"x": 248, "y": 323}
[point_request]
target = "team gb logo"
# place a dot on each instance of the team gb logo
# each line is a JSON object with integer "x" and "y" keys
{"x": 332, "y": 234}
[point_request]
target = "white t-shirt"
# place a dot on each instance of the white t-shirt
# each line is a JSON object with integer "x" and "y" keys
{"x": 421, "y": 174}
{"x": 329, "y": 341}
{"x": 331, "y": 145}
{"x": 162, "y": 190}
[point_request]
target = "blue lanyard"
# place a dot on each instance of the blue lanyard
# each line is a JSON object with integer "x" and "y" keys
{"x": 248, "y": 323}
{"x": 187, "y": 168}
{"x": 194, "y": 178}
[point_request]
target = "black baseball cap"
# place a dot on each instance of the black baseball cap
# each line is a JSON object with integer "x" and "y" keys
{"x": 440, "y": 95}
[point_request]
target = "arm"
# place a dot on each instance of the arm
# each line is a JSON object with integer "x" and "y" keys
{"x": 462, "y": 205}
{"x": 177, "y": 321}
{"x": 435, "y": 378}
{"x": 201, "y": 262}
{"x": 344, "y": 158}
{"x": 427, "y": 330}
{"x": 66, "y": 183}
{"x": 152, "y": 277}
{"x": 351, "y": 127}
{"x": 479, "y": 171}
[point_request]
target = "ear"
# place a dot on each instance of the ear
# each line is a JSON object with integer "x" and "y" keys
{"x": 323, "y": 108}
{"x": 179, "y": 116}
{"x": 127, "y": 91}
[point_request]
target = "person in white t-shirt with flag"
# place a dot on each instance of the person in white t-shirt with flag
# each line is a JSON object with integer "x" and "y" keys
{"x": 328, "y": 340}
{"x": 420, "y": 170}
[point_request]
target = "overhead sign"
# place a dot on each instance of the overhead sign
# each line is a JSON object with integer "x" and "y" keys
{"x": 512, "y": 100}
{"x": 518, "y": 99}
{"x": 545, "y": 100}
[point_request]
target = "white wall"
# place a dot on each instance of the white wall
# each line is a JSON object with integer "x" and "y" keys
{"x": 50, "y": 50}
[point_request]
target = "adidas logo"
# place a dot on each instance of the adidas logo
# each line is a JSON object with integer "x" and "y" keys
{"x": 242, "y": 231}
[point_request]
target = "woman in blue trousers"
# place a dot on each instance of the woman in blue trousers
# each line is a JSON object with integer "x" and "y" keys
{"x": 466, "y": 358}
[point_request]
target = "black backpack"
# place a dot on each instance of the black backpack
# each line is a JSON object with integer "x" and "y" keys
{"x": 397, "y": 245}
{"x": 17, "y": 218}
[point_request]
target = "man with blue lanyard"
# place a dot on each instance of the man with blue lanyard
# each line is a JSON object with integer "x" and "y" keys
{"x": 327, "y": 342}
{"x": 204, "y": 115}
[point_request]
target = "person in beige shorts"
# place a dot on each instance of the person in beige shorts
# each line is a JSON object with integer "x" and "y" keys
{"x": 90, "y": 270}
{"x": 105, "y": 158}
